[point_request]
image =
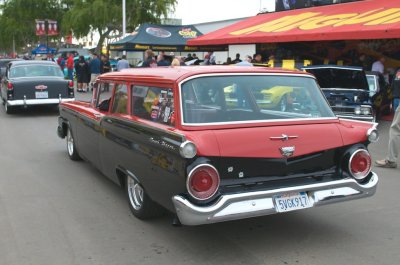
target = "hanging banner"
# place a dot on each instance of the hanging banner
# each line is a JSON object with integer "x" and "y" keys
{"x": 40, "y": 27}
{"x": 52, "y": 29}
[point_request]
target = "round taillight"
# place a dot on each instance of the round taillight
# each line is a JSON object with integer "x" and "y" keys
{"x": 10, "y": 86}
{"x": 71, "y": 84}
{"x": 360, "y": 164}
{"x": 203, "y": 182}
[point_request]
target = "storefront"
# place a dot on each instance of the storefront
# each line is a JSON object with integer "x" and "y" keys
{"x": 322, "y": 34}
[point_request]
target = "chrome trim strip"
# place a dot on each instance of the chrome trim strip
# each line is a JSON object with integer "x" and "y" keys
{"x": 352, "y": 120}
{"x": 260, "y": 203}
{"x": 368, "y": 119}
{"x": 241, "y": 122}
{"x": 37, "y": 101}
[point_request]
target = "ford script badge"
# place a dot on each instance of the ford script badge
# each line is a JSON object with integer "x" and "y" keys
{"x": 287, "y": 151}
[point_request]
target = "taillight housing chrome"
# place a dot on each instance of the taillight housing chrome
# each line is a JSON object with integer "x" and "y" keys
{"x": 203, "y": 182}
{"x": 10, "y": 86}
{"x": 360, "y": 164}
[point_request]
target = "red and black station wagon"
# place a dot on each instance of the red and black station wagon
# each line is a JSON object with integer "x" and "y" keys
{"x": 213, "y": 144}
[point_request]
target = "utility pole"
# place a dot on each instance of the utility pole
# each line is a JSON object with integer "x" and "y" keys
{"x": 123, "y": 21}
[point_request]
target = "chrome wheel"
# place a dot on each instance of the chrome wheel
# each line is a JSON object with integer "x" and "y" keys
{"x": 283, "y": 104}
{"x": 136, "y": 193}
{"x": 70, "y": 143}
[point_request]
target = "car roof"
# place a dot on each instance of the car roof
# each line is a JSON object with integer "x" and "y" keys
{"x": 32, "y": 62}
{"x": 173, "y": 74}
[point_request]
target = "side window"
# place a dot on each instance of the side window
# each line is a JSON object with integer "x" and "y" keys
{"x": 120, "y": 103}
{"x": 104, "y": 93}
{"x": 153, "y": 103}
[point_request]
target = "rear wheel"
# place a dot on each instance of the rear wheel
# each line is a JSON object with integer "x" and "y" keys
{"x": 71, "y": 148}
{"x": 139, "y": 202}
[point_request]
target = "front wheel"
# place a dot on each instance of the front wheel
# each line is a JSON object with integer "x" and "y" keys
{"x": 139, "y": 202}
{"x": 71, "y": 148}
{"x": 283, "y": 104}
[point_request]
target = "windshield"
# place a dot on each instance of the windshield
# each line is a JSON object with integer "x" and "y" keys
{"x": 35, "y": 70}
{"x": 340, "y": 78}
{"x": 234, "y": 98}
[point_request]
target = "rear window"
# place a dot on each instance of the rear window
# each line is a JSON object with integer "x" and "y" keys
{"x": 35, "y": 70}
{"x": 226, "y": 99}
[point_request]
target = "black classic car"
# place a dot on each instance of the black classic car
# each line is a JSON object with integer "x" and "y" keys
{"x": 207, "y": 144}
{"x": 28, "y": 83}
{"x": 346, "y": 89}
{"x": 3, "y": 65}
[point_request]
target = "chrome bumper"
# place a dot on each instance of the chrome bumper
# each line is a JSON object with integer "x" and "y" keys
{"x": 259, "y": 203}
{"x": 47, "y": 101}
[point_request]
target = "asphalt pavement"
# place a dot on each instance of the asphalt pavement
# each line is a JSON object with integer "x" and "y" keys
{"x": 56, "y": 211}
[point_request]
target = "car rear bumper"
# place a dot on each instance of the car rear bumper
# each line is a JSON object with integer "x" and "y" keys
{"x": 47, "y": 101}
{"x": 259, "y": 203}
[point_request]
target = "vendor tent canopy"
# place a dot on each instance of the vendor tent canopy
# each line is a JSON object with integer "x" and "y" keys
{"x": 43, "y": 49}
{"x": 369, "y": 19}
{"x": 167, "y": 38}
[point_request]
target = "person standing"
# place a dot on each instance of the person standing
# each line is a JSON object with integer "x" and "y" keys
{"x": 212, "y": 59}
{"x": 161, "y": 61}
{"x": 396, "y": 89}
{"x": 149, "y": 60}
{"x": 82, "y": 74}
{"x": 246, "y": 62}
{"x": 394, "y": 144}
{"x": 94, "y": 67}
{"x": 237, "y": 59}
{"x": 105, "y": 67}
{"x": 70, "y": 66}
{"x": 123, "y": 63}
{"x": 379, "y": 66}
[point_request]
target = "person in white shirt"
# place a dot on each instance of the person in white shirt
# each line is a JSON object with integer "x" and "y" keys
{"x": 246, "y": 61}
{"x": 379, "y": 66}
{"x": 123, "y": 63}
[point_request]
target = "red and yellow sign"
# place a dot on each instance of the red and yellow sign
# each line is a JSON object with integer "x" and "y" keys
{"x": 369, "y": 19}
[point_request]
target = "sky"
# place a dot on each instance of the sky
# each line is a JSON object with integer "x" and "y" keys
{"x": 198, "y": 11}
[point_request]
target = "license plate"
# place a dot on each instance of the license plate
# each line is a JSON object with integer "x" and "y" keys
{"x": 291, "y": 201}
{"x": 42, "y": 94}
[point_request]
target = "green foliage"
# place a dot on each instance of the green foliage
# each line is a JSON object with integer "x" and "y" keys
{"x": 105, "y": 16}
{"x": 18, "y": 20}
{"x": 79, "y": 16}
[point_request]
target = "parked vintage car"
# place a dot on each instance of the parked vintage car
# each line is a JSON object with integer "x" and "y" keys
{"x": 34, "y": 83}
{"x": 380, "y": 92}
{"x": 173, "y": 141}
{"x": 347, "y": 90}
{"x": 3, "y": 65}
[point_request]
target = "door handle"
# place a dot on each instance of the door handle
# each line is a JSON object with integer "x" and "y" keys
{"x": 98, "y": 115}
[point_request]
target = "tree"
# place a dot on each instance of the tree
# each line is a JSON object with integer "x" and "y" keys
{"x": 18, "y": 20}
{"x": 105, "y": 16}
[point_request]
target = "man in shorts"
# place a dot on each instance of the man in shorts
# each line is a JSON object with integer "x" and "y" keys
{"x": 94, "y": 67}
